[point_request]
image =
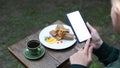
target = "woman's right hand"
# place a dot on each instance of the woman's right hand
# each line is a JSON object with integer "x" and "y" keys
{"x": 96, "y": 41}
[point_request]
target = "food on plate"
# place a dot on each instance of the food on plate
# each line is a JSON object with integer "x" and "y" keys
{"x": 59, "y": 42}
{"x": 50, "y": 40}
{"x": 53, "y": 33}
{"x": 68, "y": 36}
{"x": 61, "y": 32}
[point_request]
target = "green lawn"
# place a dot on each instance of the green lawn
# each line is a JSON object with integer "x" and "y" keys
{"x": 20, "y": 18}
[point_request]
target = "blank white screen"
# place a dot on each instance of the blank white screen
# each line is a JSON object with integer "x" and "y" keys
{"x": 79, "y": 26}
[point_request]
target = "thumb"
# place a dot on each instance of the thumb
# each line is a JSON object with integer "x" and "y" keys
{"x": 90, "y": 27}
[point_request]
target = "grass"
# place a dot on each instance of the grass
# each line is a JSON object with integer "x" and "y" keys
{"x": 20, "y": 18}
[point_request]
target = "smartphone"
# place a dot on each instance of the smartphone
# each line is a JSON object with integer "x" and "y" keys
{"x": 78, "y": 26}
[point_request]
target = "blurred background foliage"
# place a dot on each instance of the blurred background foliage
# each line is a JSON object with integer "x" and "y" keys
{"x": 20, "y": 18}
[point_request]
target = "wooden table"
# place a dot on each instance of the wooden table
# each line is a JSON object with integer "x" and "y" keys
{"x": 51, "y": 59}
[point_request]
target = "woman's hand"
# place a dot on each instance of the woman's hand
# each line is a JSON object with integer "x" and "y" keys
{"x": 96, "y": 41}
{"x": 83, "y": 56}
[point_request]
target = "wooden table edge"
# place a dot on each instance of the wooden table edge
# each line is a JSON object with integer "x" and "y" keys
{"x": 17, "y": 57}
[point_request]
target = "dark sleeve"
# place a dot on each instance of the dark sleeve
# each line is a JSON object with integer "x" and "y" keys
{"x": 106, "y": 53}
{"x": 77, "y": 66}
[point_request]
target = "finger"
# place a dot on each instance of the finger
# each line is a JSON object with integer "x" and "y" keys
{"x": 80, "y": 49}
{"x": 90, "y": 52}
{"x": 86, "y": 46}
{"x": 90, "y": 27}
{"x": 92, "y": 44}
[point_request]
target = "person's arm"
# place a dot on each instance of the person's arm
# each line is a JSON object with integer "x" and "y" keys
{"x": 77, "y": 66}
{"x": 107, "y": 54}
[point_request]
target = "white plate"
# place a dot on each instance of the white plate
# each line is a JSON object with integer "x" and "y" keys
{"x": 45, "y": 33}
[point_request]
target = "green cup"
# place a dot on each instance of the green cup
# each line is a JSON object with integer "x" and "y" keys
{"x": 33, "y": 47}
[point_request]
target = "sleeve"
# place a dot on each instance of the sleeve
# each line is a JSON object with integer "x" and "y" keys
{"x": 77, "y": 66}
{"x": 107, "y": 54}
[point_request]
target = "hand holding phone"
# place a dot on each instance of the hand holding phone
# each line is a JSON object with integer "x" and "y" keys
{"x": 78, "y": 26}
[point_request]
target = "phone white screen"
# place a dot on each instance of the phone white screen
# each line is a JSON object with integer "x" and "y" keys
{"x": 78, "y": 26}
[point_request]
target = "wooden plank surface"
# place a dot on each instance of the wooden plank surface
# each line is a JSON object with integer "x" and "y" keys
{"x": 51, "y": 59}
{"x": 62, "y": 55}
